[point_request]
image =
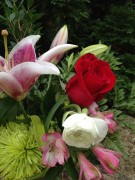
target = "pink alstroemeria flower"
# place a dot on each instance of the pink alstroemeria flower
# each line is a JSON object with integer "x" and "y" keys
{"x": 87, "y": 169}
{"x": 55, "y": 150}
{"x": 22, "y": 69}
{"x": 109, "y": 159}
{"x": 92, "y": 109}
{"x": 108, "y": 117}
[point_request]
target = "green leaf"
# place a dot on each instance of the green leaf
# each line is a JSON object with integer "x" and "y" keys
{"x": 39, "y": 176}
{"x": 52, "y": 173}
{"x": 8, "y": 3}
{"x": 30, "y": 3}
{"x": 38, "y": 129}
{"x": 12, "y": 16}
{"x": 8, "y": 108}
{"x": 21, "y": 15}
{"x": 95, "y": 49}
{"x": 70, "y": 168}
{"x": 114, "y": 142}
{"x": 2, "y": 17}
{"x": 52, "y": 112}
{"x": 70, "y": 60}
{"x": 132, "y": 95}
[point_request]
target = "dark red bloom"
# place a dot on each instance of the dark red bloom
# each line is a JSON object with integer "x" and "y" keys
{"x": 93, "y": 79}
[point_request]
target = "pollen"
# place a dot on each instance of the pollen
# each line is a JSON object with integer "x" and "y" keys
{"x": 4, "y": 32}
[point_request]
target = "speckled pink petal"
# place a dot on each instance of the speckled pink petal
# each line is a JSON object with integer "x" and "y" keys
{"x": 2, "y": 61}
{"x": 24, "y": 51}
{"x": 10, "y": 85}
{"x": 59, "y": 155}
{"x": 48, "y": 159}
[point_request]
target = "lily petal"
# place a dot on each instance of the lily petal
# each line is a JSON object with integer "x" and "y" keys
{"x": 27, "y": 72}
{"x": 2, "y": 61}
{"x": 10, "y": 85}
{"x": 52, "y": 53}
{"x": 61, "y": 37}
{"x": 24, "y": 50}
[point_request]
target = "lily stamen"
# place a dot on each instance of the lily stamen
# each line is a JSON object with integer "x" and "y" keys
{"x": 5, "y": 34}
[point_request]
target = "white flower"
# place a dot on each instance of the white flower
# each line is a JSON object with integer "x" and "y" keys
{"x": 82, "y": 131}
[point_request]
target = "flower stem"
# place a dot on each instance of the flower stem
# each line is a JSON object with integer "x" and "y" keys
{"x": 23, "y": 110}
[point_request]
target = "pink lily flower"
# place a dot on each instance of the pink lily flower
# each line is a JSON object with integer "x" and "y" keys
{"x": 109, "y": 159}
{"x": 87, "y": 169}
{"x": 55, "y": 150}
{"x": 21, "y": 70}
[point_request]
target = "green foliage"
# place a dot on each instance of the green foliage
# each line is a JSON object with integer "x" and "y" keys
{"x": 75, "y": 14}
{"x": 121, "y": 103}
{"x": 8, "y": 109}
{"x": 117, "y": 28}
{"x": 114, "y": 142}
{"x": 70, "y": 168}
{"x": 109, "y": 57}
{"x": 20, "y": 19}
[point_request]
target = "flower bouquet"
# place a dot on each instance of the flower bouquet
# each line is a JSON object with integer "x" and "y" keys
{"x": 52, "y": 126}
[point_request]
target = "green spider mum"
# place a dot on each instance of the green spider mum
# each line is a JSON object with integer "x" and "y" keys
{"x": 20, "y": 156}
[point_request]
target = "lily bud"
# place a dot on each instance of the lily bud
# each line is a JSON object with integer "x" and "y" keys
{"x": 95, "y": 49}
{"x": 61, "y": 37}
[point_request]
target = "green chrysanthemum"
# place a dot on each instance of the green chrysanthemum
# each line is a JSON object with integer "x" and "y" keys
{"x": 20, "y": 156}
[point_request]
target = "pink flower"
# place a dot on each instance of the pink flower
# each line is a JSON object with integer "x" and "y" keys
{"x": 108, "y": 117}
{"x": 108, "y": 158}
{"x": 87, "y": 169}
{"x": 60, "y": 38}
{"x": 55, "y": 150}
{"x": 21, "y": 70}
{"x": 93, "y": 108}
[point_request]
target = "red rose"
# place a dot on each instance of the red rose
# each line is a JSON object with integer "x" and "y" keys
{"x": 93, "y": 79}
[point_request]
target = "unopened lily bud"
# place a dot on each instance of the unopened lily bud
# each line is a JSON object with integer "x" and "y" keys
{"x": 4, "y": 32}
{"x": 95, "y": 49}
{"x": 61, "y": 37}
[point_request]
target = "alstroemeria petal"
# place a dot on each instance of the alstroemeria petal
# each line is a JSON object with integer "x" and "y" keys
{"x": 27, "y": 72}
{"x": 10, "y": 85}
{"x": 52, "y": 53}
{"x": 24, "y": 50}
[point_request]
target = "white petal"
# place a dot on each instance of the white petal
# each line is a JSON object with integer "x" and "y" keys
{"x": 10, "y": 85}
{"x": 61, "y": 37}
{"x": 102, "y": 129}
{"x": 60, "y": 49}
{"x": 27, "y": 73}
